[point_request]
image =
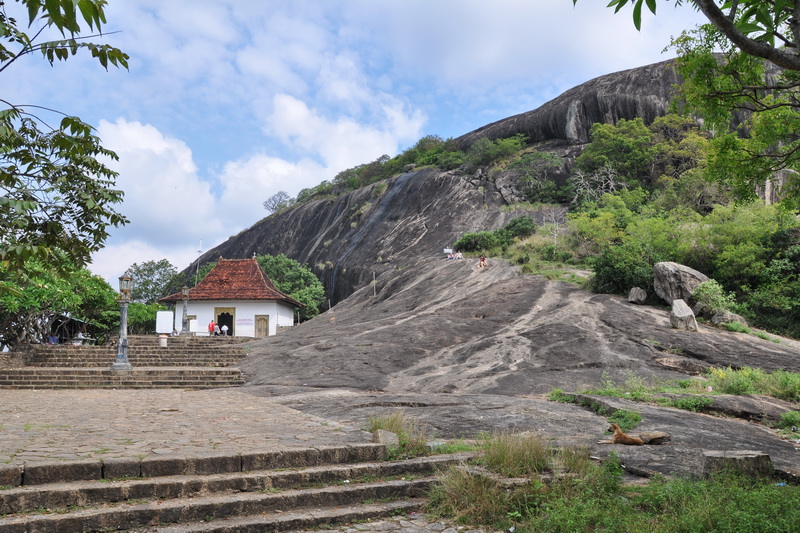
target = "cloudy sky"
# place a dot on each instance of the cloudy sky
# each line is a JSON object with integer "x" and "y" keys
{"x": 230, "y": 101}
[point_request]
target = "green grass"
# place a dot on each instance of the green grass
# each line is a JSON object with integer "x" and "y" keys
{"x": 591, "y": 498}
{"x": 738, "y": 327}
{"x": 746, "y": 380}
{"x": 698, "y": 404}
{"x": 38, "y": 427}
{"x": 626, "y": 420}
{"x": 515, "y": 455}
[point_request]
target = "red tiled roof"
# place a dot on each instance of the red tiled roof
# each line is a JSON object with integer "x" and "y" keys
{"x": 235, "y": 279}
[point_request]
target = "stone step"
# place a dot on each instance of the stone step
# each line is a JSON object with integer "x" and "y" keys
{"x": 43, "y": 473}
{"x": 138, "y": 377}
{"x": 247, "y": 492}
{"x": 135, "y": 361}
{"x": 304, "y": 519}
{"x": 57, "y": 496}
{"x": 192, "y": 512}
{"x": 103, "y": 351}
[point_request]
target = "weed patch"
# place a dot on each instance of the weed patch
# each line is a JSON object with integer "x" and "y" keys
{"x": 412, "y": 438}
{"x": 593, "y": 498}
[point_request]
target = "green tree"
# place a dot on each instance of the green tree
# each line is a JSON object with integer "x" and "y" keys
{"x": 55, "y": 191}
{"x": 535, "y": 179}
{"x": 151, "y": 279}
{"x": 295, "y": 280}
{"x": 53, "y": 290}
{"x": 625, "y": 147}
{"x": 481, "y": 241}
{"x": 142, "y": 317}
{"x": 485, "y": 151}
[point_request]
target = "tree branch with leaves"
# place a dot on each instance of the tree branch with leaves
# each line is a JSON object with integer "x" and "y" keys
{"x": 56, "y": 193}
{"x": 741, "y": 73}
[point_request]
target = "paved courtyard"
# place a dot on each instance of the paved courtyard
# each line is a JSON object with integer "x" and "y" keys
{"x": 43, "y": 425}
{"x": 47, "y": 425}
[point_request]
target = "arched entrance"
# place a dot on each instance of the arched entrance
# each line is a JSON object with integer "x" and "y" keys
{"x": 226, "y": 316}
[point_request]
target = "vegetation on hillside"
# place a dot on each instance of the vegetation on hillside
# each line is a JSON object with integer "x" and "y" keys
{"x": 639, "y": 196}
{"x": 742, "y": 64}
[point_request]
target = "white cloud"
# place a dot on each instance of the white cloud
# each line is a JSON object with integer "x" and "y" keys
{"x": 248, "y": 183}
{"x": 343, "y": 142}
{"x": 112, "y": 261}
{"x": 165, "y": 200}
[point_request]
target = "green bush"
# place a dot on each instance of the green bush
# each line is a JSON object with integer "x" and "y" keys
{"x": 620, "y": 268}
{"x": 625, "y": 419}
{"x": 712, "y": 298}
{"x": 784, "y": 385}
{"x": 692, "y": 403}
{"x": 484, "y": 151}
{"x": 730, "y": 381}
{"x": 790, "y": 420}
{"x": 521, "y": 227}
{"x": 481, "y": 241}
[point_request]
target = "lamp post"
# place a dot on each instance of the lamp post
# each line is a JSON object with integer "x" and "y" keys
{"x": 185, "y": 320}
{"x": 122, "y": 346}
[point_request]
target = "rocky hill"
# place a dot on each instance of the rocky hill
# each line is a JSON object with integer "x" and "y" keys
{"x": 394, "y": 224}
{"x": 467, "y": 349}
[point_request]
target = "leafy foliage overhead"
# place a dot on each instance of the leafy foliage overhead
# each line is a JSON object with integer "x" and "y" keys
{"x": 55, "y": 191}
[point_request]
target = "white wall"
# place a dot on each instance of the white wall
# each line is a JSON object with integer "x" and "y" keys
{"x": 280, "y": 314}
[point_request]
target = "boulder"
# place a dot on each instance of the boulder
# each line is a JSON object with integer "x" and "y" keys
{"x": 637, "y": 296}
{"x": 726, "y": 317}
{"x": 655, "y": 437}
{"x": 748, "y": 463}
{"x": 673, "y": 281}
{"x": 682, "y": 316}
{"x": 387, "y": 438}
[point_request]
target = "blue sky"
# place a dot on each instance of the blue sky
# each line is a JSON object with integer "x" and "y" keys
{"x": 230, "y": 101}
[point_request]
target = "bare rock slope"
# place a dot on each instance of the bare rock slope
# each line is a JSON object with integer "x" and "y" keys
{"x": 467, "y": 349}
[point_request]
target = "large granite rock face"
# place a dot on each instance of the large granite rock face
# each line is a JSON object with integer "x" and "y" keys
{"x": 644, "y": 92}
{"x": 384, "y": 227}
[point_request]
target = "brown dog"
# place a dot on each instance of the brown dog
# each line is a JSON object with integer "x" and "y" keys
{"x": 621, "y": 438}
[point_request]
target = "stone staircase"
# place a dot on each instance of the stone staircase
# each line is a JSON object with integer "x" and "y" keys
{"x": 186, "y": 362}
{"x": 272, "y": 491}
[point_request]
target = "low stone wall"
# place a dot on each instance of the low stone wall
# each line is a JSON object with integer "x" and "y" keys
{"x": 16, "y": 358}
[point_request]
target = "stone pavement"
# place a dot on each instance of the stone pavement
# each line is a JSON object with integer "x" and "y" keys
{"x": 47, "y": 425}
{"x": 413, "y": 523}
